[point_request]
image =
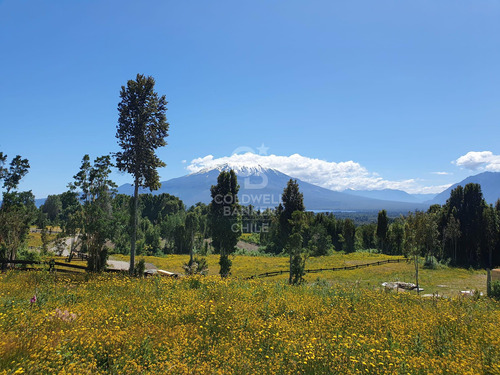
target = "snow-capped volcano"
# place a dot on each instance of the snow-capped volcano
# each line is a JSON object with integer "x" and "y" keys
{"x": 262, "y": 188}
{"x": 238, "y": 168}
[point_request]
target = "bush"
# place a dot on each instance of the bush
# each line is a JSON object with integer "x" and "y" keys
{"x": 199, "y": 266}
{"x": 495, "y": 290}
{"x": 253, "y": 253}
{"x": 139, "y": 268}
{"x": 25, "y": 254}
{"x": 431, "y": 263}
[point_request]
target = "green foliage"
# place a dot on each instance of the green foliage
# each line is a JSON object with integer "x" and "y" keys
{"x": 17, "y": 170}
{"x": 294, "y": 246}
{"x": 45, "y": 240}
{"x": 260, "y": 252}
{"x": 366, "y": 234}
{"x": 94, "y": 217}
{"x": 466, "y": 206}
{"x": 348, "y": 234}
{"x": 320, "y": 243}
{"x": 169, "y": 232}
{"x": 157, "y": 207}
{"x": 396, "y": 237}
{"x": 16, "y": 214}
{"x": 432, "y": 263}
{"x": 382, "y": 230}
{"x": 225, "y": 218}
{"x": 18, "y": 209}
{"x": 225, "y": 265}
{"x": 297, "y": 259}
{"x": 52, "y": 208}
{"x": 142, "y": 128}
{"x": 495, "y": 290}
{"x": 253, "y": 238}
{"x": 293, "y": 200}
{"x": 30, "y": 255}
{"x": 121, "y": 213}
{"x": 196, "y": 266}
{"x": 139, "y": 268}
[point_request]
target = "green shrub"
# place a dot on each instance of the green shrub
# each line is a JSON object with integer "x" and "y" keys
{"x": 140, "y": 267}
{"x": 31, "y": 255}
{"x": 495, "y": 290}
{"x": 197, "y": 266}
{"x": 431, "y": 263}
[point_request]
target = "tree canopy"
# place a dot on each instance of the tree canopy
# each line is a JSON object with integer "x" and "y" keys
{"x": 142, "y": 128}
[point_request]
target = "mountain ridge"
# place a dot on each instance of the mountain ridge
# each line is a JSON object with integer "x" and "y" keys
{"x": 490, "y": 186}
{"x": 263, "y": 187}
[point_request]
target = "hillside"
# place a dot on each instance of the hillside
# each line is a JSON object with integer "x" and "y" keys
{"x": 391, "y": 195}
{"x": 490, "y": 186}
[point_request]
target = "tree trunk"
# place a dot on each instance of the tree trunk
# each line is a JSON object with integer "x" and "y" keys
{"x": 134, "y": 229}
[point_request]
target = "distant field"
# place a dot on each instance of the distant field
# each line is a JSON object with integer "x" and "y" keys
{"x": 448, "y": 281}
{"x": 113, "y": 324}
{"x": 35, "y": 239}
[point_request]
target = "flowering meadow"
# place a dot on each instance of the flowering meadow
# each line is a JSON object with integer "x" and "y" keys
{"x": 447, "y": 281}
{"x": 113, "y": 324}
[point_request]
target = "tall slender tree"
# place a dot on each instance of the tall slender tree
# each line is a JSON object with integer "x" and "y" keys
{"x": 142, "y": 128}
{"x": 225, "y": 218}
{"x": 382, "y": 229}
{"x": 349, "y": 234}
{"x": 293, "y": 200}
{"x": 299, "y": 223}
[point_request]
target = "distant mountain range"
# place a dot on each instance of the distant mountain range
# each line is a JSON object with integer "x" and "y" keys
{"x": 392, "y": 195}
{"x": 490, "y": 186}
{"x": 263, "y": 187}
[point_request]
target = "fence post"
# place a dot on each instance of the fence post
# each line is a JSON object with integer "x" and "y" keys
{"x": 51, "y": 265}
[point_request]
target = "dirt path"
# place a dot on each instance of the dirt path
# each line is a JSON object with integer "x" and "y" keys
{"x": 123, "y": 265}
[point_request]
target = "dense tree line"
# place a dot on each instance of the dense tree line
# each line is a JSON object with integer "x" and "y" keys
{"x": 463, "y": 232}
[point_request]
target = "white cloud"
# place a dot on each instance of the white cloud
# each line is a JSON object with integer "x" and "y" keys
{"x": 442, "y": 173}
{"x": 331, "y": 175}
{"x": 479, "y": 160}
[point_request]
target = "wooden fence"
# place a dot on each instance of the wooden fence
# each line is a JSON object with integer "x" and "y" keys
{"x": 51, "y": 265}
{"x": 315, "y": 270}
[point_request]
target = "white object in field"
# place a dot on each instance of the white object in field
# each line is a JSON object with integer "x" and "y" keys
{"x": 166, "y": 273}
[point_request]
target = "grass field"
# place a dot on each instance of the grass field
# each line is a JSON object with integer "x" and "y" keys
{"x": 204, "y": 325}
{"x": 35, "y": 239}
{"x": 447, "y": 281}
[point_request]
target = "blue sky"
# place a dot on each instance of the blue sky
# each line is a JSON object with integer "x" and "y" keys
{"x": 388, "y": 92}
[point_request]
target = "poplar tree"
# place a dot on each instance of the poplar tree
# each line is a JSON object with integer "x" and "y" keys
{"x": 382, "y": 229}
{"x": 225, "y": 219}
{"x": 142, "y": 128}
{"x": 290, "y": 227}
